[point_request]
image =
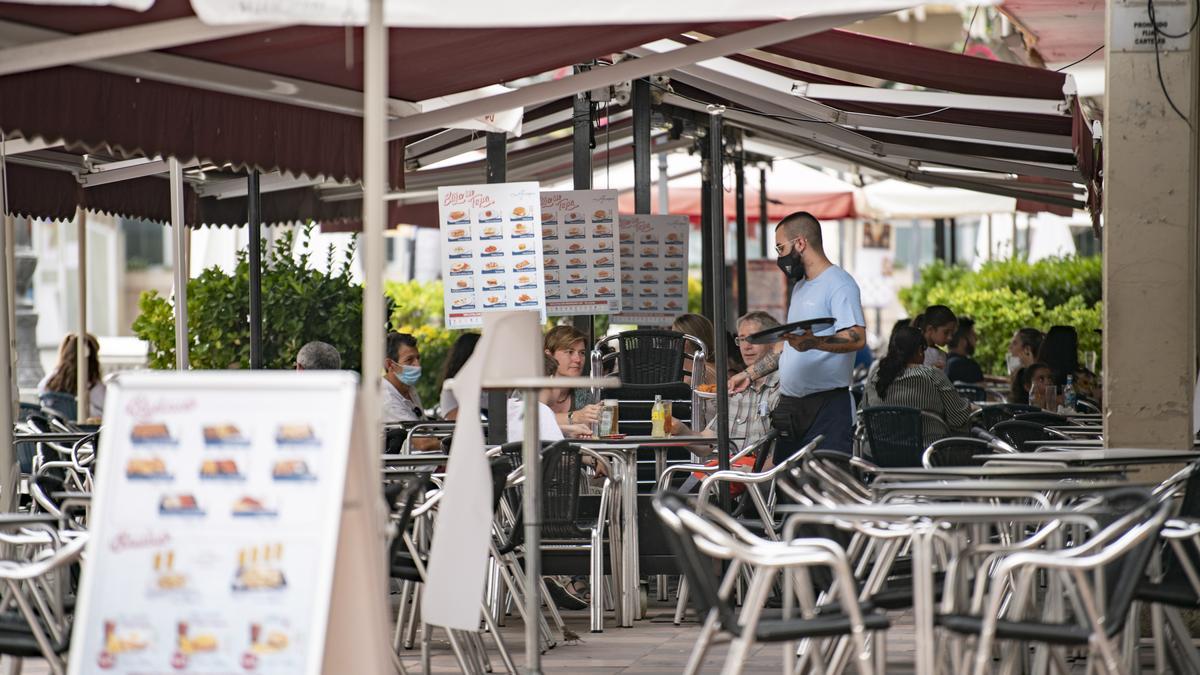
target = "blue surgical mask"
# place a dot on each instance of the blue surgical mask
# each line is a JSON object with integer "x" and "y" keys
{"x": 410, "y": 374}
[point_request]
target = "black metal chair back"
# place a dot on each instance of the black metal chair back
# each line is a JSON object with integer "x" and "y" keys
{"x": 972, "y": 392}
{"x": 1046, "y": 419}
{"x": 989, "y": 416}
{"x": 650, "y": 356}
{"x": 1018, "y": 432}
{"x": 1124, "y": 574}
{"x": 957, "y": 451}
{"x": 61, "y": 403}
{"x": 894, "y": 435}
{"x": 698, "y": 569}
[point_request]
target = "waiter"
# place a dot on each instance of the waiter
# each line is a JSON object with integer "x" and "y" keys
{"x": 814, "y": 370}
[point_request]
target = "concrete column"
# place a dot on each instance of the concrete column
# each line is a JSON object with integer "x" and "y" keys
{"x": 1150, "y": 224}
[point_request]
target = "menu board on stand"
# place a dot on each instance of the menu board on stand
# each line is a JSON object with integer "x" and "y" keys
{"x": 491, "y": 251}
{"x": 580, "y": 252}
{"x": 215, "y": 523}
{"x": 654, "y": 268}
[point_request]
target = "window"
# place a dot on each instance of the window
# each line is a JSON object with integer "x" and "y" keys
{"x": 145, "y": 244}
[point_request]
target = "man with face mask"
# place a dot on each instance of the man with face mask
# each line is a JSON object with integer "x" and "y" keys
{"x": 960, "y": 366}
{"x": 814, "y": 369}
{"x": 401, "y": 403}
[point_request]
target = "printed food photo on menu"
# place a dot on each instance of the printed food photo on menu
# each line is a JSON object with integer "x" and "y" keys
{"x": 166, "y": 577}
{"x": 150, "y": 432}
{"x": 490, "y": 216}
{"x": 269, "y": 636}
{"x": 146, "y": 468}
{"x": 259, "y": 568}
{"x": 291, "y": 469}
{"x": 459, "y": 233}
{"x": 219, "y": 469}
{"x": 522, "y": 213}
{"x": 458, "y": 217}
{"x": 191, "y": 641}
{"x": 247, "y": 506}
{"x": 182, "y": 504}
{"x": 224, "y": 434}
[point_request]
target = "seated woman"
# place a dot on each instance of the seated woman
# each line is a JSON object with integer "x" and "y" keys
{"x": 1028, "y": 381}
{"x": 568, "y": 347}
{"x": 699, "y": 327}
{"x": 937, "y": 325}
{"x": 1060, "y": 351}
{"x": 63, "y": 378}
{"x": 463, "y": 347}
{"x": 903, "y": 379}
{"x": 548, "y": 427}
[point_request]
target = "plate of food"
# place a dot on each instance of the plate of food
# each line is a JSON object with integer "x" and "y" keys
{"x": 807, "y": 326}
{"x": 707, "y": 390}
{"x": 151, "y": 432}
{"x": 224, "y": 434}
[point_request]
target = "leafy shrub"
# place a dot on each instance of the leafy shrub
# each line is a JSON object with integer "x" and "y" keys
{"x": 299, "y": 304}
{"x": 1006, "y": 295}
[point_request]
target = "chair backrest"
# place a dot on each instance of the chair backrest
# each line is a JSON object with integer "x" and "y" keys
{"x": 1174, "y": 571}
{"x": 697, "y": 568}
{"x": 651, "y": 356}
{"x": 1087, "y": 405}
{"x": 955, "y": 451}
{"x": 972, "y": 392}
{"x": 1123, "y": 574}
{"x": 1046, "y": 419}
{"x": 894, "y": 435}
{"x": 28, "y": 410}
{"x": 989, "y": 416}
{"x": 1018, "y": 432}
{"x": 562, "y": 469}
{"x": 858, "y": 390}
{"x": 637, "y": 400}
{"x": 59, "y": 402}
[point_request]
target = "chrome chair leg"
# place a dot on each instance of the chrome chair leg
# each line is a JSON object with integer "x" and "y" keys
{"x": 696, "y": 658}
{"x": 397, "y": 637}
{"x": 681, "y": 605}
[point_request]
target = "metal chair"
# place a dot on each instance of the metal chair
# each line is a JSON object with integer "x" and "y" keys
{"x": 989, "y": 415}
{"x": 896, "y": 434}
{"x": 1045, "y": 418}
{"x": 698, "y": 540}
{"x": 1017, "y": 433}
{"x": 1117, "y": 567}
{"x": 956, "y": 451}
{"x": 972, "y": 392}
{"x": 60, "y": 404}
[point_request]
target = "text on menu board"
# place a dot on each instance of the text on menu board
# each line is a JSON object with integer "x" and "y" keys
{"x": 654, "y": 268}
{"x": 579, "y": 254}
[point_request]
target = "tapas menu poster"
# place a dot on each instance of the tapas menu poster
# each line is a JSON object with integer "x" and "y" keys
{"x": 491, "y": 250}
{"x": 579, "y": 234}
{"x": 215, "y": 523}
{"x": 654, "y": 268}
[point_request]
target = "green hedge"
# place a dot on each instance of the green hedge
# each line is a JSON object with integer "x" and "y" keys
{"x": 1006, "y": 295}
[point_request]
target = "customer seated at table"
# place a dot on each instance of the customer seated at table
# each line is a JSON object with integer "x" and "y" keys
{"x": 1032, "y": 378}
{"x": 317, "y": 355}
{"x": 548, "y": 427}
{"x": 937, "y": 325}
{"x": 402, "y": 362}
{"x": 568, "y": 347}
{"x": 699, "y": 327}
{"x": 463, "y": 347}
{"x": 63, "y": 378}
{"x": 1060, "y": 351}
{"x": 961, "y": 365}
{"x": 1023, "y": 349}
{"x": 749, "y": 410}
{"x": 902, "y": 379}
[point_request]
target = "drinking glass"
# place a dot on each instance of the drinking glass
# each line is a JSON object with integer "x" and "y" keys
{"x": 1045, "y": 397}
{"x": 1089, "y": 360}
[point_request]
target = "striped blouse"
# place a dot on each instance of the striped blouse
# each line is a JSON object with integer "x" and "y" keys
{"x": 924, "y": 388}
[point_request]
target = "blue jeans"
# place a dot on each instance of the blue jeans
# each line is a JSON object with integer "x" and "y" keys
{"x": 835, "y": 421}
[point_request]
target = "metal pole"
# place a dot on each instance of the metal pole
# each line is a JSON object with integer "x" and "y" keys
{"x": 581, "y": 171}
{"x": 82, "y": 406}
{"x": 533, "y": 533}
{"x": 10, "y": 255}
{"x": 253, "y": 220}
{"x": 721, "y": 348}
{"x": 641, "y": 146}
{"x": 706, "y": 228}
{"x": 9, "y": 471}
{"x": 664, "y": 189}
{"x": 762, "y": 211}
{"x": 375, "y": 186}
{"x": 496, "y": 167}
{"x": 180, "y": 230}
{"x": 953, "y": 252}
{"x": 939, "y": 239}
{"x": 739, "y": 174}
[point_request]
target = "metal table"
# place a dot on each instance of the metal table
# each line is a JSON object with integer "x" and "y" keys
{"x": 628, "y": 447}
{"x": 925, "y": 518}
{"x": 53, "y": 437}
{"x": 983, "y": 489}
{"x": 997, "y": 472}
{"x": 1097, "y": 456}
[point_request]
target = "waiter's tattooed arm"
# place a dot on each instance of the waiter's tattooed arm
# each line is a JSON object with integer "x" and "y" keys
{"x": 851, "y": 339}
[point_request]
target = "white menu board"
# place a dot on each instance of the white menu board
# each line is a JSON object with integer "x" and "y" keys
{"x": 579, "y": 234}
{"x": 215, "y": 523}
{"x": 654, "y": 268}
{"x": 491, "y": 250}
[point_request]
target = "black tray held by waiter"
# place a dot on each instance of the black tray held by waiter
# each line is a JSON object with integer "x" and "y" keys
{"x": 773, "y": 335}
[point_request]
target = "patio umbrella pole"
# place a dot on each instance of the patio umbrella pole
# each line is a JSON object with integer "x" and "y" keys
{"x": 716, "y": 215}
{"x": 739, "y": 174}
{"x": 253, "y": 218}
{"x": 762, "y": 210}
{"x": 8, "y": 460}
{"x": 581, "y": 173}
{"x": 179, "y": 230}
{"x": 664, "y": 190}
{"x": 531, "y": 450}
{"x": 706, "y": 226}
{"x": 81, "y": 344}
{"x": 496, "y": 167}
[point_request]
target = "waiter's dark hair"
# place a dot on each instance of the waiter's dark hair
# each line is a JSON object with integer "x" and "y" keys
{"x": 906, "y": 343}
{"x": 802, "y": 224}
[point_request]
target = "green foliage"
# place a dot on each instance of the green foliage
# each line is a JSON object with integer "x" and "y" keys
{"x": 299, "y": 304}
{"x": 695, "y": 293}
{"x": 1006, "y": 295}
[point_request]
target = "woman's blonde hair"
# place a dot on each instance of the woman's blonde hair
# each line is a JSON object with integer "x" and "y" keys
{"x": 699, "y": 327}
{"x": 562, "y": 337}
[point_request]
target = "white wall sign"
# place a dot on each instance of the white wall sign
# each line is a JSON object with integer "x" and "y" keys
{"x": 654, "y": 268}
{"x": 491, "y": 250}
{"x": 1132, "y": 30}
{"x": 582, "y": 260}
{"x": 215, "y": 523}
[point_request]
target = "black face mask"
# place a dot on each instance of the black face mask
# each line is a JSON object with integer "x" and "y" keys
{"x": 792, "y": 265}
